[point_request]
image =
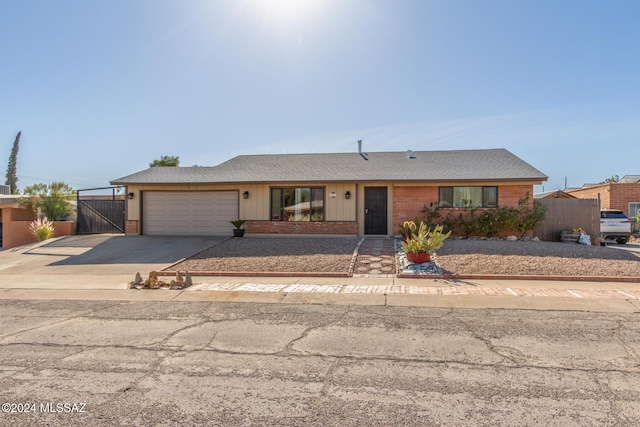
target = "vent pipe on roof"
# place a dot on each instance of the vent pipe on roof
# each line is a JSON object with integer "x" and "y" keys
{"x": 362, "y": 154}
{"x": 410, "y": 155}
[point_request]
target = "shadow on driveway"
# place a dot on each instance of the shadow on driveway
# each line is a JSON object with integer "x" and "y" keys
{"x": 102, "y": 254}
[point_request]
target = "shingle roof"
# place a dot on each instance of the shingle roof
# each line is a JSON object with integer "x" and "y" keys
{"x": 458, "y": 165}
{"x": 630, "y": 179}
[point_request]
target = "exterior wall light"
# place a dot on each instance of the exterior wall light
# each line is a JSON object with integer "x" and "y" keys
{"x": 130, "y": 195}
{"x": 347, "y": 195}
{"x": 245, "y": 194}
{"x": 333, "y": 194}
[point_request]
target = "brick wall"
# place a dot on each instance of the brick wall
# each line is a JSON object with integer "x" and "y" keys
{"x": 409, "y": 201}
{"x": 623, "y": 193}
{"x": 510, "y": 195}
{"x": 603, "y": 190}
{"x": 302, "y": 227}
{"x": 131, "y": 227}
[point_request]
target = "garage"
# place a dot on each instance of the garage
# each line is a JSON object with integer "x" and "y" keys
{"x": 188, "y": 213}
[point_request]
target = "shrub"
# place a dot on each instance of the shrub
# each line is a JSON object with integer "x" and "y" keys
{"x": 488, "y": 222}
{"x": 42, "y": 229}
{"x": 49, "y": 200}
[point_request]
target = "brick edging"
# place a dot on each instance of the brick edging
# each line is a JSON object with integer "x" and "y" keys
{"x": 258, "y": 273}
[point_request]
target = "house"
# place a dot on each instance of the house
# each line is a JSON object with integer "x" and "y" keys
{"x": 15, "y": 220}
{"x": 554, "y": 194}
{"x": 623, "y": 195}
{"x": 334, "y": 193}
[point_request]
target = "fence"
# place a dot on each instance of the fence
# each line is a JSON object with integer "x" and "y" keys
{"x": 100, "y": 213}
{"x": 567, "y": 214}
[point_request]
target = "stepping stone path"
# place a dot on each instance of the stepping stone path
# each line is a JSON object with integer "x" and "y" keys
{"x": 376, "y": 257}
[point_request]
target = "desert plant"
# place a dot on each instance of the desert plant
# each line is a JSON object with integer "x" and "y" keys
{"x": 237, "y": 223}
{"x": 42, "y": 229}
{"x": 425, "y": 240}
{"x": 408, "y": 227}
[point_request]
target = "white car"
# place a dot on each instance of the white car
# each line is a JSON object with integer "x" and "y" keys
{"x": 614, "y": 225}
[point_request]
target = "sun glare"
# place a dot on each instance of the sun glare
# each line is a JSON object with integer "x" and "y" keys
{"x": 287, "y": 12}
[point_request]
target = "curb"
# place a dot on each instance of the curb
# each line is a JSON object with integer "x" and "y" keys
{"x": 257, "y": 273}
{"x": 541, "y": 277}
{"x": 405, "y": 276}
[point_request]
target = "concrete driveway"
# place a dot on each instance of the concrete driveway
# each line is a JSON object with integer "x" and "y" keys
{"x": 104, "y": 261}
{"x": 631, "y": 247}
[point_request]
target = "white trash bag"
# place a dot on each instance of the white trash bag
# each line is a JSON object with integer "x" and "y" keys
{"x": 585, "y": 239}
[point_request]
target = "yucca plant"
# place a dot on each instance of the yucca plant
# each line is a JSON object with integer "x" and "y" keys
{"x": 42, "y": 229}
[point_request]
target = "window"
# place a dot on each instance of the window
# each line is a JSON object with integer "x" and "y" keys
{"x": 634, "y": 208}
{"x": 297, "y": 204}
{"x": 468, "y": 197}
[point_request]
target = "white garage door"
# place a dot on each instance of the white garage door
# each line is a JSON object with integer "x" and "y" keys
{"x": 188, "y": 213}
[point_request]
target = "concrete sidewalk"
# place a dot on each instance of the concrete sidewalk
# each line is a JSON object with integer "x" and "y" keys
{"x": 499, "y": 294}
{"x": 82, "y": 268}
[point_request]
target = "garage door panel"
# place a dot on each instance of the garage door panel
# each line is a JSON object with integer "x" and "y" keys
{"x": 189, "y": 213}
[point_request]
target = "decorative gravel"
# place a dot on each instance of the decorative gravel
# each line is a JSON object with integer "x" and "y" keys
{"x": 276, "y": 254}
{"x": 457, "y": 256}
{"x": 535, "y": 257}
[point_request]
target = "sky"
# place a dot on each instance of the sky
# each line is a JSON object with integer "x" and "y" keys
{"x": 99, "y": 89}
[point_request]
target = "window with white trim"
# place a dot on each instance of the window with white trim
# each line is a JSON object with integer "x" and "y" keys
{"x": 297, "y": 204}
{"x": 468, "y": 197}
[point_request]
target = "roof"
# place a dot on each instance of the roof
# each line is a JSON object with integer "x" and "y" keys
{"x": 554, "y": 194}
{"x": 9, "y": 198}
{"x": 458, "y": 165}
{"x": 630, "y": 179}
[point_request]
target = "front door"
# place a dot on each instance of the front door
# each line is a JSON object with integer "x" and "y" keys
{"x": 375, "y": 210}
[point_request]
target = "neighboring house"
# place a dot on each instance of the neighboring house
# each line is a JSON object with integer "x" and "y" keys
{"x": 555, "y": 194}
{"x": 15, "y": 220}
{"x": 623, "y": 195}
{"x": 336, "y": 194}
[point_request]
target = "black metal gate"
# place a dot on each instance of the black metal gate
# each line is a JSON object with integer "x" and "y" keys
{"x": 100, "y": 213}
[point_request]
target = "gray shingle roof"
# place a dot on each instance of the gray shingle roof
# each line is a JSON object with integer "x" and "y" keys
{"x": 458, "y": 165}
{"x": 630, "y": 179}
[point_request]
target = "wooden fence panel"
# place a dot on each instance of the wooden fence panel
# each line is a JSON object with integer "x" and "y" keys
{"x": 567, "y": 214}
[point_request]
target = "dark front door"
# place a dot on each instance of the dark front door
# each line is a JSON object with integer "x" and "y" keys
{"x": 375, "y": 210}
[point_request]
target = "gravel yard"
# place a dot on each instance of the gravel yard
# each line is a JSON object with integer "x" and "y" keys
{"x": 535, "y": 257}
{"x": 501, "y": 257}
{"x": 274, "y": 254}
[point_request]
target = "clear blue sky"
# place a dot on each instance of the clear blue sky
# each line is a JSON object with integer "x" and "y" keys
{"x": 101, "y": 88}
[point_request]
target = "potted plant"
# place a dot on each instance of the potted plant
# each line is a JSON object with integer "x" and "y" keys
{"x": 238, "y": 231}
{"x": 423, "y": 242}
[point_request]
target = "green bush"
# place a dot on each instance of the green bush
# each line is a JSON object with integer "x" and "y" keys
{"x": 49, "y": 200}
{"x": 488, "y": 222}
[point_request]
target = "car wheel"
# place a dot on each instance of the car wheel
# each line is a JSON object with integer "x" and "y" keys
{"x": 621, "y": 241}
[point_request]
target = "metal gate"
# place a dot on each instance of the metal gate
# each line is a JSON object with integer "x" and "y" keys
{"x": 100, "y": 213}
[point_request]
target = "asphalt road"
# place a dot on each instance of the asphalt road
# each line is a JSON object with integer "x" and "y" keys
{"x": 95, "y": 363}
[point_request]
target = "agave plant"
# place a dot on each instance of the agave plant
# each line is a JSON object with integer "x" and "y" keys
{"x": 42, "y": 229}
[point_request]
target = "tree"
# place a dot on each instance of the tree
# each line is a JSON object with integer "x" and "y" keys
{"x": 49, "y": 200}
{"x": 12, "y": 174}
{"x": 166, "y": 161}
{"x": 614, "y": 178}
